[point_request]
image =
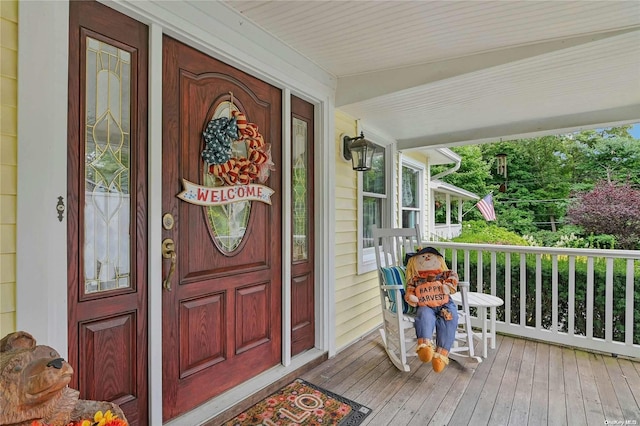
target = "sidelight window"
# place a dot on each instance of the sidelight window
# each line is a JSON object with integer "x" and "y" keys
{"x": 107, "y": 212}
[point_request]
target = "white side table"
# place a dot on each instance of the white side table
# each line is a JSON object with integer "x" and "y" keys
{"x": 482, "y": 301}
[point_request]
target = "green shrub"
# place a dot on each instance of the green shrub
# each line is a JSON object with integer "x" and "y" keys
{"x": 481, "y": 232}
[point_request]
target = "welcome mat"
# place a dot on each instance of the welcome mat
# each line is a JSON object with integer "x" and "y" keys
{"x": 305, "y": 404}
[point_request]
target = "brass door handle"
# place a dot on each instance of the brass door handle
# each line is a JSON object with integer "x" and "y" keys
{"x": 169, "y": 252}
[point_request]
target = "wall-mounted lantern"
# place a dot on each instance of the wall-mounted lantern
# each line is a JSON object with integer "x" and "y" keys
{"x": 359, "y": 150}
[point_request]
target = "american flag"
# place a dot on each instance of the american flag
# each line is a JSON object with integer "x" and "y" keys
{"x": 486, "y": 207}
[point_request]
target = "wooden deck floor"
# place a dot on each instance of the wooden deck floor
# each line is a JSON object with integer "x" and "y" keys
{"x": 520, "y": 383}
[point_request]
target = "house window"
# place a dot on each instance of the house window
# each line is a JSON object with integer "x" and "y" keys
{"x": 411, "y": 199}
{"x": 374, "y": 206}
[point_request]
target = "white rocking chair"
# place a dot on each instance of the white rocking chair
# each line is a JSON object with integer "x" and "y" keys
{"x": 398, "y": 333}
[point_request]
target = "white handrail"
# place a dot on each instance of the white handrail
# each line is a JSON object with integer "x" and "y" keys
{"x": 559, "y": 295}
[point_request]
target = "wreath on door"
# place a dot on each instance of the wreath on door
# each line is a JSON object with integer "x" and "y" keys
{"x": 220, "y": 134}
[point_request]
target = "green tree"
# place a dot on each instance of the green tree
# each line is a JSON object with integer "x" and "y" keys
{"x": 473, "y": 175}
{"x": 543, "y": 173}
{"x": 474, "y": 172}
{"x": 612, "y": 159}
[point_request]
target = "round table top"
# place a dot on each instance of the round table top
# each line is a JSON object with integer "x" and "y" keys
{"x": 479, "y": 299}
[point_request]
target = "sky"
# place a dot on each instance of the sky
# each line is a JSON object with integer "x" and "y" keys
{"x": 635, "y": 131}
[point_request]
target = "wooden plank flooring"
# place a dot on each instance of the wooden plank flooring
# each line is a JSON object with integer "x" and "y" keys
{"x": 521, "y": 382}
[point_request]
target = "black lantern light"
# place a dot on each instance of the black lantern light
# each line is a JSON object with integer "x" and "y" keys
{"x": 359, "y": 150}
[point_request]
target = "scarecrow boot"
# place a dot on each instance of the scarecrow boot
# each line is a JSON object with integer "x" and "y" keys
{"x": 440, "y": 360}
{"x": 425, "y": 350}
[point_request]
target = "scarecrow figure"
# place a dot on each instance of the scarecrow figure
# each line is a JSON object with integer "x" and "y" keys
{"x": 429, "y": 284}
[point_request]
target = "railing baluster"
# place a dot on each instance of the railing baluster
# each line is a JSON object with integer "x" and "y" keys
{"x": 454, "y": 259}
{"x": 493, "y": 273}
{"x": 523, "y": 289}
{"x": 554, "y": 293}
{"x": 467, "y": 266}
{"x": 479, "y": 272}
{"x": 572, "y": 296}
{"x": 629, "y": 325}
{"x": 590, "y": 297}
{"x": 608, "y": 310}
{"x": 538, "y": 291}
{"x": 507, "y": 288}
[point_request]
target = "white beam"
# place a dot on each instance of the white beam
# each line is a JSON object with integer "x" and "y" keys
{"x": 528, "y": 129}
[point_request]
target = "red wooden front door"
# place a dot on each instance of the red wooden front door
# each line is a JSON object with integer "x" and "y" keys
{"x": 107, "y": 200}
{"x": 222, "y": 302}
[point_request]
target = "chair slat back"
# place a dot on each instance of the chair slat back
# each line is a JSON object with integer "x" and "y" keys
{"x": 393, "y": 243}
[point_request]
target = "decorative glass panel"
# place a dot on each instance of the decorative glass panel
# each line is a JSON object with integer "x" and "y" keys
{"x": 300, "y": 207}
{"x": 228, "y": 222}
{"x": 107, "y": 207}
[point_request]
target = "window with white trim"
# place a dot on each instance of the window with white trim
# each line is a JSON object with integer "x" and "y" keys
{"x": 374, "y": 205}
{"x": 412, "y": 194}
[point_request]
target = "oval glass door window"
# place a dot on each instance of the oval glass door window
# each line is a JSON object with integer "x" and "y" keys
{"x": 228, "y": 222}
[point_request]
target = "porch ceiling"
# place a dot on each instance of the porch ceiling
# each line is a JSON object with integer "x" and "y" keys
{"x": 443, "y": 73}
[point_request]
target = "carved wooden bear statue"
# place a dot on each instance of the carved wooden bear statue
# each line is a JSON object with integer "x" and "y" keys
{"x": 33, "y": 386}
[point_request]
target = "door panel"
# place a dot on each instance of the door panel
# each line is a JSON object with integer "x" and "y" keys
{"x": 302, "y": 188}
{"x": 222, "y": 317}
{"x": 107, "y": 193}
{"x": 120, "y": 332}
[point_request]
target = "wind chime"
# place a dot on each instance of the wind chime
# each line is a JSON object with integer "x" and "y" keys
{"x": 501, "y": 170}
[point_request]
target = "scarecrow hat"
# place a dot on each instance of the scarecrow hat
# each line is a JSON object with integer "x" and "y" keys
{"x": 421, "y": 251}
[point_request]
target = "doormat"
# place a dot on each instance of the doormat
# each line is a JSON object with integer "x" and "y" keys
{"x": 305, "y": 404}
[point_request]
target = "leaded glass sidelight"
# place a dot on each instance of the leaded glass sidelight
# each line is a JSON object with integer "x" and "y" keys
{"x": 107, "y": 212}
{"x": 300, "y": 190}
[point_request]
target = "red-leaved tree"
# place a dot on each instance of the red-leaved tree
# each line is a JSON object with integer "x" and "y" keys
{"x": 609, "y": 208}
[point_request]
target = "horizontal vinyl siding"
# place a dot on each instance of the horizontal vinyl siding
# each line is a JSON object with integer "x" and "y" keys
{"x": 8, "y": 162}
{"x": 357, "y": 296}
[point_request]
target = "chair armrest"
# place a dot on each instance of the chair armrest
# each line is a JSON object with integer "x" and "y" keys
{"x": 464, "y": 284}
{"x": 392, "y": 287}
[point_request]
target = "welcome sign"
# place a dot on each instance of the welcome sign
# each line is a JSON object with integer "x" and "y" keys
{"x": 219, "y": 195}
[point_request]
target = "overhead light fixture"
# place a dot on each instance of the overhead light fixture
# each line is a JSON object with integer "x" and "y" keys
{"x": 359, "y": 150}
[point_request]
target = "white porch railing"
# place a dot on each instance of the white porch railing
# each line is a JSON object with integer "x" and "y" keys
{"x": 584, "y": 298}
{"x": 447, "y": 232}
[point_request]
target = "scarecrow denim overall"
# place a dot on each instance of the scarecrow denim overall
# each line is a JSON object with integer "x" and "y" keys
{"x": 429, "y": 318}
